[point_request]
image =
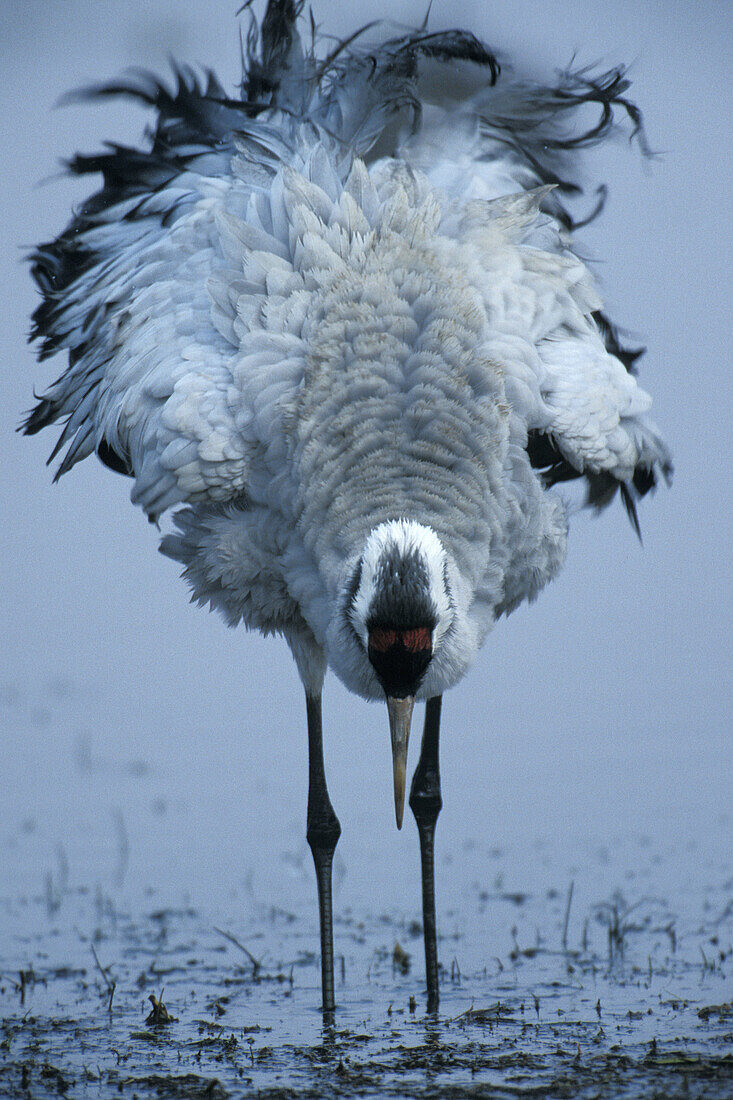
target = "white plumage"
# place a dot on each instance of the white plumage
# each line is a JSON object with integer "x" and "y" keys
{"x": 342, "y": 322}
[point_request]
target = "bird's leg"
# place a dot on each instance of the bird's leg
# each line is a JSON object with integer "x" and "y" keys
{"x": 426, "y": 803}
{"x": 322, "y": 833}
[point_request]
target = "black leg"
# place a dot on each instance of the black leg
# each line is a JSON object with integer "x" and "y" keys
{"x": 322, "y": 833}
{"x": 425, "y": 803}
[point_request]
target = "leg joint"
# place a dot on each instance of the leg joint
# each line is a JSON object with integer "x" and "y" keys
{"x": 323, "y": 832}
{"x": 425, "y": 800}
{"x": 426, "y": 808}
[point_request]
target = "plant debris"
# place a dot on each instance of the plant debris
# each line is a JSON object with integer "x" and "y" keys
{"x": 159, "y": 1016}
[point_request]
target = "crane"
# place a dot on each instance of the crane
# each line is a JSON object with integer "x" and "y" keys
{"x": 336, "y": 324}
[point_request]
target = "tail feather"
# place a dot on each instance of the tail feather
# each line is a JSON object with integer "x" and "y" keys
{"x": 274, "y": 66}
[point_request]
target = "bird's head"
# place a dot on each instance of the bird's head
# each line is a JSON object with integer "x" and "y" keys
{"x": 399, "y": 607}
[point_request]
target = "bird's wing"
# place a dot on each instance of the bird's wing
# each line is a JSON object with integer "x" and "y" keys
{"x": 506, "y": 156}
{"x": 580, "y": 410}
{"x": 153, "y": 287}
{"x": 505, "y": 153}
{"x": 127, "y": 290}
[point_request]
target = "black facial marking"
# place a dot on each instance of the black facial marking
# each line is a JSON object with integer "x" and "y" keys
{"x": 400, "y": 666}
{"x": 402, "y": 600}
{"x": 401, "y": 621}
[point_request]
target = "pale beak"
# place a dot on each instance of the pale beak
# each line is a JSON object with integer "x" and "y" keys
{"x": 400, "y": 714}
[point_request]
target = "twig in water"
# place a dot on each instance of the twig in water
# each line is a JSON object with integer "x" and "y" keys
{"x": 111, "y": 985}
{"x": 255, "y": 963}
{"x": 123, "y": 847}
{"x": 567, "y": 917}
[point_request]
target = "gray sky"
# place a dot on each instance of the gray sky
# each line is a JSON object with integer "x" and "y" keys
{"x": 602, "y": 709}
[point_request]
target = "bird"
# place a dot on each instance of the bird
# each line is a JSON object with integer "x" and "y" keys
{"x": 336, "y": 325}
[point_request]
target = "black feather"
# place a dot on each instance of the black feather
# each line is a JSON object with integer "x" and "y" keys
{"x": 601, "y": 487}
{"x": 114, "y": 461}
{"x": 610, "y": 335}
{"x": 263, "y": 75}
{"x": 542, "y": 141}
{"x": 554, "y": 468}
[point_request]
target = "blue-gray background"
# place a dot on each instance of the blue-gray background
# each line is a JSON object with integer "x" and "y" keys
{"x": 600, "y": 712}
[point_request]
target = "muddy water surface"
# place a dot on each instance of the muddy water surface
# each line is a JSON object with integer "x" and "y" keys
{"x": 145, "y": 953}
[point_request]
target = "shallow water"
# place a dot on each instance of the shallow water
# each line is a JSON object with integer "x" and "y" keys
{"x": 621, "y": 989}
{"x": 597, "y": 728}
{"x": 79, "y": 968}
